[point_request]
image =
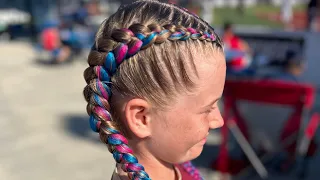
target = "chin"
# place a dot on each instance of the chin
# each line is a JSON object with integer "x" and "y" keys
{"x": 196, "y": 151}
{"x": 192, "y": 154}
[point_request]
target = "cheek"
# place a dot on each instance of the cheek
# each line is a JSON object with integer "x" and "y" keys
{"x": 184, "y": 130}
{"x": 196, "y": 129}
{"x": 181, "y": 134}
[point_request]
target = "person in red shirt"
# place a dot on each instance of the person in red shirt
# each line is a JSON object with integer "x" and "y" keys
{"x": 237, "y": 50}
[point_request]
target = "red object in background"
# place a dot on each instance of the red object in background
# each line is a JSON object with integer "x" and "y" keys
{"x": 50, "y": 39}
{"x": 298, "y": 96}
{"x": 234, "y": 43}
{"x": 311, "y": 128}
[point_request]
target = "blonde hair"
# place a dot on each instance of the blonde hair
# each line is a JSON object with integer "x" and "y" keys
{"x": 145, "y": 50}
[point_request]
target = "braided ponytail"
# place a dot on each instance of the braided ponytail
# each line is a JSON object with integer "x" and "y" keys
{"x": 103, "y": 76}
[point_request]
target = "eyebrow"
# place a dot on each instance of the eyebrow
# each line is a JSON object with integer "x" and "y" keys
{"x": 214, "y": 101}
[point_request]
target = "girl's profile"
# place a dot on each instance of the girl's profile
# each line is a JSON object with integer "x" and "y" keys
{"x": 155, "y": 75}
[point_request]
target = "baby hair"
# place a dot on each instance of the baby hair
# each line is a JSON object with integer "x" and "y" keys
{"x": 145, "y": 50}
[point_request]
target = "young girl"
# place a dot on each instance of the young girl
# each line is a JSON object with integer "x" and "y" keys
{"x": 155, "y": 75}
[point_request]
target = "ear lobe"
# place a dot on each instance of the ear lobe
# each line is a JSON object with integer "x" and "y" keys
{"x": 137, "y": 113}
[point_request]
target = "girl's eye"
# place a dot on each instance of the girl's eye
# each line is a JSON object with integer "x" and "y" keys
{"x": 209, "y": 111}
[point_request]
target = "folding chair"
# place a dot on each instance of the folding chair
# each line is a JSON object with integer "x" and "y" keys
{"x": 296, "y": 138}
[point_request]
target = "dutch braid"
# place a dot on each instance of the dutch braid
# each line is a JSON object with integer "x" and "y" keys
{"x": 127, "y": 42}
{"x": 103, "y": 64}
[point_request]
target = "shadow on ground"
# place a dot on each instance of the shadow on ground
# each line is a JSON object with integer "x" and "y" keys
{"x": 51, "y": 63}
{"x": 78, "y": 126}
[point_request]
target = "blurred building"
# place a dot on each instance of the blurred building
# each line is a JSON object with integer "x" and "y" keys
{"x": 41, "y": 11}
{"x": 234, "y": 3}
{"x": 38, "y": 9}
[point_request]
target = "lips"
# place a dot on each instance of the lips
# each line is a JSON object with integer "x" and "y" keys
{"x": 204, "y": 140}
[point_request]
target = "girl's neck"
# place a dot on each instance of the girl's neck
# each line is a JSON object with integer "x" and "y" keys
{"x": 158, "y": 170}
{"x": 155, "y": 168}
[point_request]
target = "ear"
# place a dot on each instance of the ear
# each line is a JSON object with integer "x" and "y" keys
{"x": 137, "y": 113}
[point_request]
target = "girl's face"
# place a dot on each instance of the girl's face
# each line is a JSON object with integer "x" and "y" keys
{"x": 179, "y": 134}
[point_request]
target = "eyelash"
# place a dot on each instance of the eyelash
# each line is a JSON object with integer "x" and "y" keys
{"x": 209, "y": 110}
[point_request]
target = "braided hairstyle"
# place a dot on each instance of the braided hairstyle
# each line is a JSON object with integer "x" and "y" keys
{"x": 143, "y": 50}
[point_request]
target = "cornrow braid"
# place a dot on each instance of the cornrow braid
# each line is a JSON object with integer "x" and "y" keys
{"x": 127, "y": 42}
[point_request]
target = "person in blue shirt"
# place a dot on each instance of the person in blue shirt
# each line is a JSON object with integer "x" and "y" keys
{"x": 75, "y": 32}
{"x": 313, "y": 9}
{"x": 292, "y": 68}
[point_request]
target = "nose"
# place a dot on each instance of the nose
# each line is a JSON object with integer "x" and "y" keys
{"x": 216, "y": 121}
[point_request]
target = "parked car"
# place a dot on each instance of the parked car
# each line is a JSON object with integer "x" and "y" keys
{"x": 12, "y": 21}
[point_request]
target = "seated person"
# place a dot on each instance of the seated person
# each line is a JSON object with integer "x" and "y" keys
{"x": 75, "y": 32}
{"x": 237, "y": 50}
{"x": 292, "y": 68}
{"x": 313, "y": 9}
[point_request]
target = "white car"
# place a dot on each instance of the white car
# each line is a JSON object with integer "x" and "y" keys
{"x": 9, "y": 17}
{"x": 13, "y": 16}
